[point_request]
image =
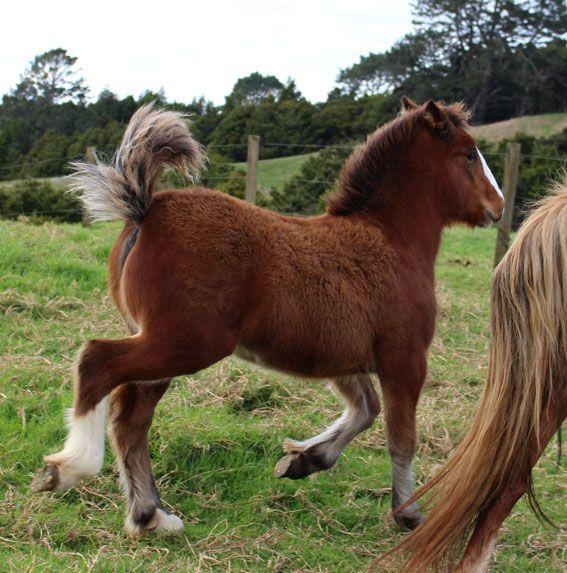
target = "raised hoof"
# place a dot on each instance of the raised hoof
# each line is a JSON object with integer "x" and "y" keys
{"x": 46, "y": 479}
{"x": 298, "y": 465}
{"x": 408, "y": 521}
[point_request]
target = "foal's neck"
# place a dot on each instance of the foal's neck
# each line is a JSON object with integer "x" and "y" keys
{"x": 411, "y": 218}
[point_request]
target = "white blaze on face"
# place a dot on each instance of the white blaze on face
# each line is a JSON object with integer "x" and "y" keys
{"x": 489, "y": 174}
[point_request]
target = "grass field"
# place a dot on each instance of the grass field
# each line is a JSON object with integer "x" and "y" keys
{"x": 275, "y": 172}
{"x": 218, "y": 435}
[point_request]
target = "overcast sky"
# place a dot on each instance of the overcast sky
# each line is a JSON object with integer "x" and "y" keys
{"x": 200, "y": 48}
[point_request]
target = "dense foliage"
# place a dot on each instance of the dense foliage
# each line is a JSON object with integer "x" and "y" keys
{"x": 304, "y": 193}
{"x": 37, "y": 201}
{"x": 503, "y": 58}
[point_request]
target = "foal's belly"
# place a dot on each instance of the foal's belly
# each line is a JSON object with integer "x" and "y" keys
{"x": 312, "y": 366}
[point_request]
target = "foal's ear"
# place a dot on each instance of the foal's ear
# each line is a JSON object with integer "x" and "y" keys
{"x": 436, "y": 119}
{"x": 408, "y": 104}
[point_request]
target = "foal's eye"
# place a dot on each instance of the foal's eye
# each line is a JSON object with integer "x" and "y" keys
{"x": 471, "y": 156}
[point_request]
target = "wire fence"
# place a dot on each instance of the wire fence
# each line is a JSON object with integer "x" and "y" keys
{"x": 66, "y": 159}
{"x": 6, "y": 167}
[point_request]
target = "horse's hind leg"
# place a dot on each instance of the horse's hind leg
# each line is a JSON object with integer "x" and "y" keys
{"x": 482, "y": 543}
{"x": 479, "y": 549}
{"x": 98, "y": 370}
{"x": 131, "y": 411}
{"x": 82, "y": 455}
{"x": 322, "y": 451}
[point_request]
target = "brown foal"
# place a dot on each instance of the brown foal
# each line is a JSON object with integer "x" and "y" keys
{"x": 199, "y": 275}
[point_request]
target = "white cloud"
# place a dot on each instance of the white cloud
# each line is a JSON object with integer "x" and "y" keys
{"x": 200, "y": 48}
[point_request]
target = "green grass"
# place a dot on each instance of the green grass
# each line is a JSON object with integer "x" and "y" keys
{"x": 275, "y": 172}
{"x": 217, "y": 435}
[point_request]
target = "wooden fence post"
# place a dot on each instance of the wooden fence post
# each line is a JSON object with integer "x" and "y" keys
{"x": 252, "y": 167}
{"x": 90, "y": 154}
{"x": 509, "y": 185}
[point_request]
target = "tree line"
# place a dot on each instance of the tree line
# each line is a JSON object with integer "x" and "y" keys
{"x": 39, "y": 136}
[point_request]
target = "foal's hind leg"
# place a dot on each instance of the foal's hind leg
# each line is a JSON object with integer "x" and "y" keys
{"x": 83, "y": 454}
{"x": 322, "y": 451}
{"x": 102, "y": 366}
{"x": 131, "y": 411}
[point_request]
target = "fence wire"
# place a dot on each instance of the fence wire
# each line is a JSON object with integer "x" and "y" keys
{"x": 16, "y": 166}
{"x": 9, "y": 166}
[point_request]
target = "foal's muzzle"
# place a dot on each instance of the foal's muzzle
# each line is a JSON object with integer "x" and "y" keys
{"x": 492, "y": 217}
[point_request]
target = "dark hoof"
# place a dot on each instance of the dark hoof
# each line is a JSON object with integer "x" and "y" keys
{"x": 46, "y": 479}
{"x": 408, "y": 521}
{"x": 293, "y": 466}
{"x": 298, "y": 465}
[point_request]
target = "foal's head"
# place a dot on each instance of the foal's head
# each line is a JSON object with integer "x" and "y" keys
{"x": 426, "y": 154}
{"x": 469, "y": 192}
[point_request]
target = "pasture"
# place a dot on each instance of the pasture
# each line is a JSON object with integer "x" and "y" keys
{"x": 217, "y": 435}
{"x": 275, "y": 172}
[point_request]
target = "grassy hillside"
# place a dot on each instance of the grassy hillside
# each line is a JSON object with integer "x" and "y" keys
{"x": 218, "y": 435}
{"x": 275, "y": 172}
{"x": 539, "y": 126}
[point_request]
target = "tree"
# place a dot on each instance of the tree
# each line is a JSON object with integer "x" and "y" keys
{"x": 384, "y": 72}
{"x": 52, "y": 78}
{"x": 304, "y": 193}
{"x": 253, "y": 89}
{"x": 480, "y": 38}
{"x": 204, "y": 117}
{"x": 108, "y": 107}
{"x": 285, "y": 119}
{"x": 488, "y": 53}
{"x": 150, "y": 96}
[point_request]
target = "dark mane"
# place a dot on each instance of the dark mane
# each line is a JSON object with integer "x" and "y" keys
{"x": 366, "y": 167}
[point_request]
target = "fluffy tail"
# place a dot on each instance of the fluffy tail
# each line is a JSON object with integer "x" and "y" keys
{"x": 124, "y": 189}
{"x": 526, "y": 391}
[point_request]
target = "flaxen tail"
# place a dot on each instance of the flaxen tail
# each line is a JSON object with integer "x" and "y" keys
{"x": 124, "y": 189}
{"x": 526, "y": 391}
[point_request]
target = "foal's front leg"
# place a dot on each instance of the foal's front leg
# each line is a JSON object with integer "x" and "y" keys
{"x": 322, "y": 451}
{"x": 401, "y": 377}
{"x": 131, "y": 411}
